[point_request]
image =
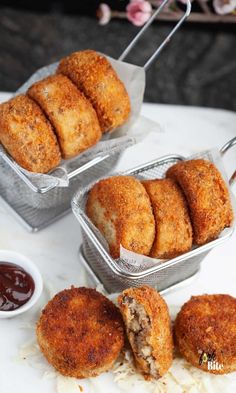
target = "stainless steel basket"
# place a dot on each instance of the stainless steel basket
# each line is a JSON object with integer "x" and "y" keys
{"x": 117, "y": 275}
{"x": 37, "y": 204}
{"x": 37, "y": 210}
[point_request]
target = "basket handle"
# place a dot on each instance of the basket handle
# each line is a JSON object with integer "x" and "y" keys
{"x": 224, "y": 150}
{"x": 166, "y": 40}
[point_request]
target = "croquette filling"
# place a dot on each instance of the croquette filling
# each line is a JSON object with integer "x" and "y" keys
{"x": 139, "y": 331}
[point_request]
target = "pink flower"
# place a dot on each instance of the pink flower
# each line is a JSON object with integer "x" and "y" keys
{"x": 138, "y": 11}
{"x": 103, "y": 14}
{"x": 222, "y": 7}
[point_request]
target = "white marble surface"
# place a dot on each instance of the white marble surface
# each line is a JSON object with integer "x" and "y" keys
{"x": 54, "y": 250}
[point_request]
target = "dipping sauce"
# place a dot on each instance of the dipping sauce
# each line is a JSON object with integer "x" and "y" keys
{"x": 16, "y": 286}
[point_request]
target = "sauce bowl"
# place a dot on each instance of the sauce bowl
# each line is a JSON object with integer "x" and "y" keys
{"x": 29, "y": 267}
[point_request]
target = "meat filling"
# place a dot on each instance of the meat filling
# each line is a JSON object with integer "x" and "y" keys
{"x": 139, "y": 331}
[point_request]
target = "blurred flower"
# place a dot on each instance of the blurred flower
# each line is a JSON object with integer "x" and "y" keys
{"x": 224, "y": 6}
{"x": 103, "y": 14}
{"x": 138, "y": 11}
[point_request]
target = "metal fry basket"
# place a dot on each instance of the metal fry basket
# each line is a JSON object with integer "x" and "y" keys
{"x": 37, "y": 210}
{"x": 117, "y": 274}
{"x": 36, "y": 203}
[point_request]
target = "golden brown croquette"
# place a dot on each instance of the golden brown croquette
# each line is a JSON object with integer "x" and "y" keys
{"x": 71, "y": 114}
{"x": 173, "y": 226}
{"x": 205, "y": 333}
{"x": 207, "y": 196}
{"x": 28, "y": 136}
{"x": 80, "y": 332}
{"x": 93, "y": 74}
{"x": 148, "y": 328}
{"x": 120, "y": 208}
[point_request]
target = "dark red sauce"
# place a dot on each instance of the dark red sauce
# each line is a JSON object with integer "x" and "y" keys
{"x": 16, "y": 286}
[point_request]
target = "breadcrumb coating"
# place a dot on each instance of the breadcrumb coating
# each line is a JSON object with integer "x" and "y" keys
{"x": 148, "y": 327}
{"x": 95, "y": 77}
{"x": 173, "y": 226}
{"x": 120, "y": 208}
{"x": 71, "y": 114}
{"x": 28, "y": 136}
{"x": 205, "y": 331}
{"x": 207, "y": 196}
{"x": 80, "y": 332}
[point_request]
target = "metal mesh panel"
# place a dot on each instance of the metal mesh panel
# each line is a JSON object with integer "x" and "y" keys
{"x": 160, "y": 280}
{"x": 154, "y": 172}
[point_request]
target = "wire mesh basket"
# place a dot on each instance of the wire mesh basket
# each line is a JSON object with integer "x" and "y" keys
{"x": 118, "y": 274}
{"x": 37, "y": 210}
{"x": 38, "y": 200}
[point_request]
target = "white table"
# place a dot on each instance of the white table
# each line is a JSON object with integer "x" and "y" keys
{"x": 55, "y": 249}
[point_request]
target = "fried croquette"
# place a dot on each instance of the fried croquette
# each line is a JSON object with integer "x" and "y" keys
{"x": 148, "y": 328}
{"x": 120, "y": 208}
{"x": 71, "y": 114}
{"x": 80, "y": 332}
{"x": 207, "y": 196}
{"x": 173, "y": 226}
{"x": 205, "y": 333}
{"x": 28, "y": 136}
{"x": 95, "y": 77}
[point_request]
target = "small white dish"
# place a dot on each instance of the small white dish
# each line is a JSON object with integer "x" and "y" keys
{"x": 29, "y": 267}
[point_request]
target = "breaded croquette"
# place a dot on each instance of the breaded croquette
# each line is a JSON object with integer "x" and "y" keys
{"x": 148, "y": 328}
{"x": 205, "y": 333}
{"x": 71, "y": 114}
{"x": 95, "y": 77}
{"x": 173, "y": 226}
{"x": 207, "y": 196}
{"x": 80, "y": 332}
{"x": 28, "y": 136}
{"x": 120, "y": 208}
